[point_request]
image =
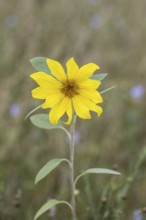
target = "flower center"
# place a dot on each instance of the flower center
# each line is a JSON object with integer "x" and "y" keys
{"x": 70, "y": 88}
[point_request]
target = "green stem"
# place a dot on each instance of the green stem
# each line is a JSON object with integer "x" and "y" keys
{"x": 73, "y": 203}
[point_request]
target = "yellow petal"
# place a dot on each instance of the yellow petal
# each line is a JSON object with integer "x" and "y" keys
{"x": 72, "y": 68}
{"x": 56, "y": 69}
{"x": 44, "y": 80}
{"x": 92, "y": 106}
{"x": 80, "y": 108}
{"x": 52, "y": 100}
{"x": 87, "y": 70}
{"x": 40, "y": 93}
{"x": 91, "y": 94}
{"x": 89, "y": 83}
{"x": 58, "y": 111}
{"x": 69, "y": 112}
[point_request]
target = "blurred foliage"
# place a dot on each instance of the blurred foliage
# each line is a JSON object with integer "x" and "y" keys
{"x": 109, "y": 33}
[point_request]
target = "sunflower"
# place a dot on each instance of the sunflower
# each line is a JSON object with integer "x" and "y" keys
{"x": 71, "y": 92}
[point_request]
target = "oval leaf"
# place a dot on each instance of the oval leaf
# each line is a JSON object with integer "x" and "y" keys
{"x": 48, "y": 168}
{"x": 40, "y": 64}
{"x": 42, "y": 121}
{"x": 97, "y": 171}
{"x": 99, "y": 76}
{"x": 48, "y": 205}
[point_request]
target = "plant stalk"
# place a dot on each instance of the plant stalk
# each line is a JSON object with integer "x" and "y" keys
{"x": 72, "y": 183}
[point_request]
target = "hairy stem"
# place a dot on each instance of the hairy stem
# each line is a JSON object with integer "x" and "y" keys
{"x": 73, "y": 203}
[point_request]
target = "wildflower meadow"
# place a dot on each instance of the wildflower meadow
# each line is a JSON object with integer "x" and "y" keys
{"x": 73, "y": 142}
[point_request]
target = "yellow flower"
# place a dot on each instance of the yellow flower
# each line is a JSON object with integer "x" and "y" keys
{"x": 69, "y": 92}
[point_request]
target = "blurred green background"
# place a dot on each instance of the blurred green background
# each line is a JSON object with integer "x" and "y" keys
{"x": 111, "y": 34}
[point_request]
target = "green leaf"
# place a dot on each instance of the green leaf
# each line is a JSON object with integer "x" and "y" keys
{"x": 106, "y": 90}
{"x": 97, "y": 171}
{"x": 42, "y": 121}
{"x": 48, "y": 168}
{"x": 99, "y": 76}
{"x": 48, "y": 205}
{"x": 40, "y": 64}
{"x": 33, "y": 110}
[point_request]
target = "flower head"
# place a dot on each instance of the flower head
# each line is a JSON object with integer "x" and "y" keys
{"x": 137, "y": 92}
{"x": 69, "y": 92}
{"x": 137, "y": 215}
{"x": 14, "y": 110}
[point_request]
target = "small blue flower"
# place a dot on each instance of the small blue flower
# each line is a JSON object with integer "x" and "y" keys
{"x": 137, "y": 215}
{"x": 14, "y": 110}
{"x": 77, "y": 137}
{"x": 96, "y": 21}
{"x": 137, "y": 92}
